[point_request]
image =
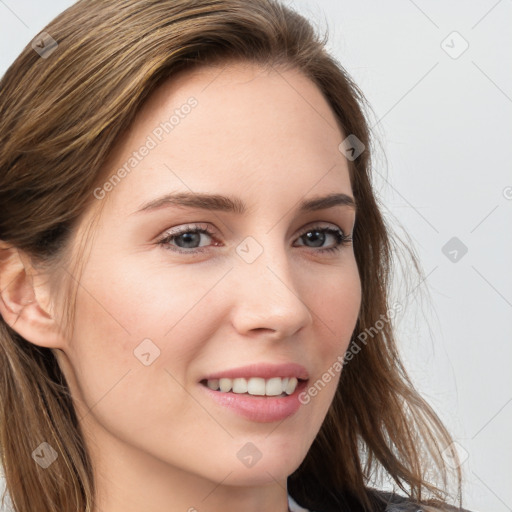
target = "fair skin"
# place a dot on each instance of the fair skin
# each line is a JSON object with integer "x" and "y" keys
{"x": 157, "y": 440}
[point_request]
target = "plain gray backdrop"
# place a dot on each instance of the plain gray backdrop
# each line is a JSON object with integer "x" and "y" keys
{"x": 438, "y": 76}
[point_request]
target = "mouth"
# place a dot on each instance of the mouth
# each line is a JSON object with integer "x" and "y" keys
{"x": 277, "y": 387}
{"x": 260, "y": 392}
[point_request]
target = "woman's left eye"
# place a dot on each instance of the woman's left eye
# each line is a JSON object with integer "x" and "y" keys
{"x": 185, "y": 239}
{"x": 187, "y": 236}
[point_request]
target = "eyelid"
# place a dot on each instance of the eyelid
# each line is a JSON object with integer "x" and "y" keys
{"x": 188, "y": 226}
{"x": 321, "y": 224}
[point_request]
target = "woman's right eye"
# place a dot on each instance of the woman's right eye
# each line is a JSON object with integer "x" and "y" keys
{"x": 185, "y": 238}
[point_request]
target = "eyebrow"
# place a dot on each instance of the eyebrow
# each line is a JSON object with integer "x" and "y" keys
{"x": 217, "y": 202}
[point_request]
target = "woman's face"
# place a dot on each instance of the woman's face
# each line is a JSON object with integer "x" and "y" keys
{"x": 266, "y": 291}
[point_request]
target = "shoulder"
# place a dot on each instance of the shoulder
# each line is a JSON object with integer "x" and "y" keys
{"x": 382, "y": 501}
{"x": 392, "y": 502}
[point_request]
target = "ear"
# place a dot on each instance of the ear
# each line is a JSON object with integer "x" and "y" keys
{"x": 24, "y": 300}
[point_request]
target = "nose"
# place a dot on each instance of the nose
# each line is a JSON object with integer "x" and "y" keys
{"x": 267, "y": 297}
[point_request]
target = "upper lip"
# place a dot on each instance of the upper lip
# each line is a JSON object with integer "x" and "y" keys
{"x": 263, "y": 370}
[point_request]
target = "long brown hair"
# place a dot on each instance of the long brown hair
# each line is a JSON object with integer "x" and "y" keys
{"x": 60, "y": 117}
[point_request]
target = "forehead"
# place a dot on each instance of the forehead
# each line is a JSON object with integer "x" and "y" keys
{"x": 237, "y": 127}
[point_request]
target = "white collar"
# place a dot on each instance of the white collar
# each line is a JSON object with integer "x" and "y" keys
{"x": 294, "y": 507}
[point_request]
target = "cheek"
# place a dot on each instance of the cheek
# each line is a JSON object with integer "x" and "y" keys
{"x": 131, "y": 300}
{"x": 139, "y": 319}
{"x": 124, "y": 320}
{"x": 336, "y": 308}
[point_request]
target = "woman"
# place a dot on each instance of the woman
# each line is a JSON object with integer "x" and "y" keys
{"x": 195, "y": 273}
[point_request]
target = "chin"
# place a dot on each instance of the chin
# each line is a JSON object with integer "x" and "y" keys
{"x": 273, "y": 464}
{"x": 260, "y": 475}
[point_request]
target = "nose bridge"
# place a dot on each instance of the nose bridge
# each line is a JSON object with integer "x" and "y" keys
{"x": 266, "y": 289}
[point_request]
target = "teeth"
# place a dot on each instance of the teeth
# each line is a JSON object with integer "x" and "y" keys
{"x": 239, "y": 386}
{"x": 225, "y": 384}
{"x": 255, "y": 385}
{"x": 213, "y": 384}
{"x": 273, "y": 387}
{"x": 290, "y": 387}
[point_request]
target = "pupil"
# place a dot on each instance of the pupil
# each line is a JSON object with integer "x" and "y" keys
{"x": 320, "y": 237}
{"x": 186, "y": 237}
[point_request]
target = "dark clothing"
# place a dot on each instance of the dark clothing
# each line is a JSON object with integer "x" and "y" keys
{"x": 381, "y": 502}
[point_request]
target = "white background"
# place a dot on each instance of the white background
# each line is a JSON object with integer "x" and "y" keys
{"x": 445, "y": 125}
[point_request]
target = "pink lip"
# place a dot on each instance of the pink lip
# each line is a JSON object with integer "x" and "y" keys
{"x": 264, "y": 370}
{"x": 263, "y": 409}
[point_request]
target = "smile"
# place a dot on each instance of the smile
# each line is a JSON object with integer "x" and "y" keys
{"x": 258, "y": 386}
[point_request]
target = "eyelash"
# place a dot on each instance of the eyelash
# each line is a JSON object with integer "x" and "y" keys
{"x": 342, "y": 239}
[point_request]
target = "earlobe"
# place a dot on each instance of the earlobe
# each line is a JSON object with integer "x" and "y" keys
{"x": 19, "y": 304}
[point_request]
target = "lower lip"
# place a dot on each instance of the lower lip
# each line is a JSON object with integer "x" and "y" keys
{"x": 263, "y": 409}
